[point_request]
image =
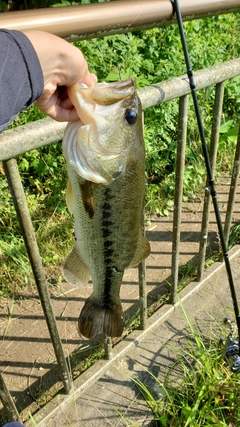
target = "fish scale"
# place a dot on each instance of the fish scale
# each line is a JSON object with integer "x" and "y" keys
{"x": 107, "y": 216}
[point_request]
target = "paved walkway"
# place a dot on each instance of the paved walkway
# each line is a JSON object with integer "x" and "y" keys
{"x": 26, "y": 353}
{"x": 106, "y": 390}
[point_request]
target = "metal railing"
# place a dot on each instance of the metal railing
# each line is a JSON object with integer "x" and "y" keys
{"x": 99, "y": 19}
{"x": 78, "y": 23}
{"x": 51, "y": 131}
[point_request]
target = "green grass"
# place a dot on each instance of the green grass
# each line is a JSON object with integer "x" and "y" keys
{"x": 198, "y": 390}
{"x": 150, "y": 56}
{"x": 234, "y": 236}
{"x": 55, "y": 240}
{"x": 44, "y": 179}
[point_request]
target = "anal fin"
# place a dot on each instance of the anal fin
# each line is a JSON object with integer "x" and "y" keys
{"x": 75, "y": 271}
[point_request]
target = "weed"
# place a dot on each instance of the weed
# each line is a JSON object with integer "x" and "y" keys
{"x": 33, "y": 421}
{"x": 203, "y": 393}
{"x": 234, "y": 237}
{"x": 9, "y": 318}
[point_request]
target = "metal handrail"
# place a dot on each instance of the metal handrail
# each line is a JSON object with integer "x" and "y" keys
{"x": 14, "y": 142}
{"x": 46, "y": 131}
{"x": 97, "y": 20}
{"x": 100, "y": 19}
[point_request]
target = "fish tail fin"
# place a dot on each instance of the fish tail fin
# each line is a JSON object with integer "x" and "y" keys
{"x": 95, "y": 318}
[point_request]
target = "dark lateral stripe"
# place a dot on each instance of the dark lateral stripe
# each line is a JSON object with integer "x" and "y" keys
{"x": 108, "y": 244}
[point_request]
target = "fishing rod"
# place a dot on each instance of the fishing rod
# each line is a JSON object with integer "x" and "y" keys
{"x": 231, "y": 350}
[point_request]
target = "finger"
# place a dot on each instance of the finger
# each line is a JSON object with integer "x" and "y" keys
{"x": 66, "y": 104}
{"x": 90, "y": 79}
{"x": 63, "y": 115}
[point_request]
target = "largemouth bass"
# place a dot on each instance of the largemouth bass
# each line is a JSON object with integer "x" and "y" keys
{"x": 106, "y": 178}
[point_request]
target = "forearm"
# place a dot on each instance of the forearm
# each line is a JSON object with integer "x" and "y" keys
{"x": 35, "y": 65}
{"x": 63, "y": 65}
{"x": 21, "y": 77}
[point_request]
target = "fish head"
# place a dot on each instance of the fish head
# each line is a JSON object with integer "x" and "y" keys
{"x": 110, "y": 122}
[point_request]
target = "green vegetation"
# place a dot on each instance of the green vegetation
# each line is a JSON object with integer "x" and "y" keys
{"x": 150, "y": 56}
{"x": 10, "y": 5}
{"x": 234, "y": 237}
{"x": 198, "y": 390}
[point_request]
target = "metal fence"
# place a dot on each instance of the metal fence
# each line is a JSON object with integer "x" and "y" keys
{"x": 46, "y": 131}
{"x": 114, "y": 17}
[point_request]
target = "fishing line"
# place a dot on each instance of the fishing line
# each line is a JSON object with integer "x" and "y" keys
{"x": 231, "y": 350}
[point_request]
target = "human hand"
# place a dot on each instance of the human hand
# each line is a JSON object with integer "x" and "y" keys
{"x": 63, "y": 65}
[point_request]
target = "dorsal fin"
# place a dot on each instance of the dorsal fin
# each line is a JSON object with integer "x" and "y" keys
{"x": 142, "y": 252}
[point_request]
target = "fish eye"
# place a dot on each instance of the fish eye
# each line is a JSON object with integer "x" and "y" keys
{"x": 131, "y": 116}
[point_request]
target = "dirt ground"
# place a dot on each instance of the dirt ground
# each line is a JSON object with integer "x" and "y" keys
{"x": 26, "y": 354}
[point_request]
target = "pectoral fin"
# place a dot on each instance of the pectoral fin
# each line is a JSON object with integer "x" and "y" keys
{"x": 69, "y": 197}
{"x": 142, "y": 251}
{"x": 87, "y": 197}
{"x": 75, "y": 271}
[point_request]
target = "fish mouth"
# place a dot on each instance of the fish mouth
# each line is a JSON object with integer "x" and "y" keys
{"x": 108, "y": 93}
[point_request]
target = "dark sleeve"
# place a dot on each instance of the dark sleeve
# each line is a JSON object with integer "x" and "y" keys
{"x": 21, "y": 77}
{"x": 13, "y": 424}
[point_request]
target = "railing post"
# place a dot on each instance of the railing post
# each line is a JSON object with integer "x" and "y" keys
{"x": 142, "y": 284}
{"x": 142, "y": 294}
{"x": 181, "y": 147}
{"x": 7, "y": 401}
{"x": 233, "y": 189}
{"x": 20, "y": 203}
{"x": 212, "y": 155}
{"x": 108, "y": 347}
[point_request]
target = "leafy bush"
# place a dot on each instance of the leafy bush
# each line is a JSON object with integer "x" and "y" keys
{"x": 6, "y": 5}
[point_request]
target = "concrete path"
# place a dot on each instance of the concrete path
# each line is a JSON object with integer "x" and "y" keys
{"x": 28, "y": 360}
{"x": 106, "y": 396}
